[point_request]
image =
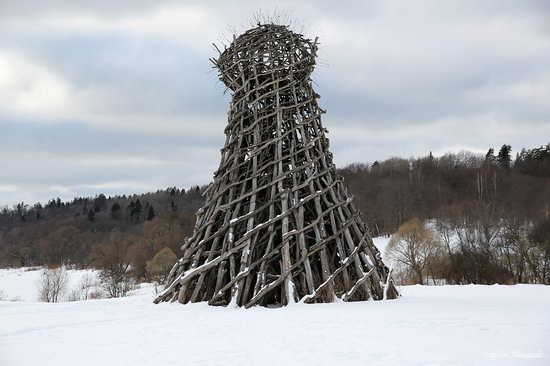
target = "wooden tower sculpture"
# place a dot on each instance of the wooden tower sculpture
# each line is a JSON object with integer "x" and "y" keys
{"x": 277, "y": 226}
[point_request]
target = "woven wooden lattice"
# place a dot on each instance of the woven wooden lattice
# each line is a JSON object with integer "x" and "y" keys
{"x": 277, "y": 225}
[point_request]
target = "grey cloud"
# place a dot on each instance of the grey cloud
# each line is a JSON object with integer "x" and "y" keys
{"x": 144, "y": 108}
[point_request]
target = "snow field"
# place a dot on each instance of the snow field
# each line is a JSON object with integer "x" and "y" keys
{"x": 444, "y": 325}
{"x": 428, "y": 325}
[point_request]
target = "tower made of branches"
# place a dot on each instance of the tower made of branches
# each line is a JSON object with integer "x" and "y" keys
{"x": 277, "y": 225}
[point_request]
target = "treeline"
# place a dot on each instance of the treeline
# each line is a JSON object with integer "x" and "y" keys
{"x": 92, "y": 231}
{"x": 492, "y": 212}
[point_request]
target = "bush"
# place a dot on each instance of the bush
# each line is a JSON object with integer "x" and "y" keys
{"x": 116, "y": 284}
{"x": 53, "y": 284}
{"x": 412, "y": 249}
{"x": 159, "y": 267}
{"x": 112, "y": 260}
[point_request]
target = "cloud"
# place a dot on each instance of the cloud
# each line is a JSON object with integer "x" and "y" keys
{"x": 174, "y": 22}
{"x": 32, "y": 92}
{"x": 8, "y": 189}
{"x": 121, "y": 96}
{"x": 433, "y": 63}
{"x": 28, "y": 89}
{"x": 476, "y": 133}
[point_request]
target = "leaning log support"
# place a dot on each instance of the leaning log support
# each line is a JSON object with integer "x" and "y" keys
{"x": 277, "y": 226}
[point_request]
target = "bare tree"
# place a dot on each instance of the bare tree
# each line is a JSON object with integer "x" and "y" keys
{"x": 83, "y": 290}
{"x": 413, "y": 247}
{"x": 112, "y": 260}
{"x": 86, "y": 284}
{"x": 53, "y": 284}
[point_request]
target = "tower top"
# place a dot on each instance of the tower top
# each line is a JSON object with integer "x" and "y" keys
{"x": 267, "y": 53}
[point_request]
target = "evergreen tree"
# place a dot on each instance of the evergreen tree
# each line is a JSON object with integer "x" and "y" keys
{"x": 85, "y": 208}
{"x": 504, "y": 157}
{"x": 136, "y": 210}
{"x": 100, "y": 202}
{"x": 534, "y": 161}
{"x": 150, "y": 213}
{"x": 91, "y": 215}
{"x": 115, "y": 211}
{"x": 490, "y": 156}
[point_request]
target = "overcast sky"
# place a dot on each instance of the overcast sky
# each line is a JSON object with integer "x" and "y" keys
{"x": 119, "y": 96}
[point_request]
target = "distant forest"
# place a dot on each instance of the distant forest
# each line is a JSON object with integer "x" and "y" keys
{"x": 498, "y": 207}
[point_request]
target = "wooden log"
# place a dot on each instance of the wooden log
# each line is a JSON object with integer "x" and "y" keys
{"x": 277, "y": 224}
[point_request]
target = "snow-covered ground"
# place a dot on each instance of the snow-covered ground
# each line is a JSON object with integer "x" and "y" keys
{"x": 446, "y": 325}
{"x": 21, "y": 284}
{"x": 381, "y": 243}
